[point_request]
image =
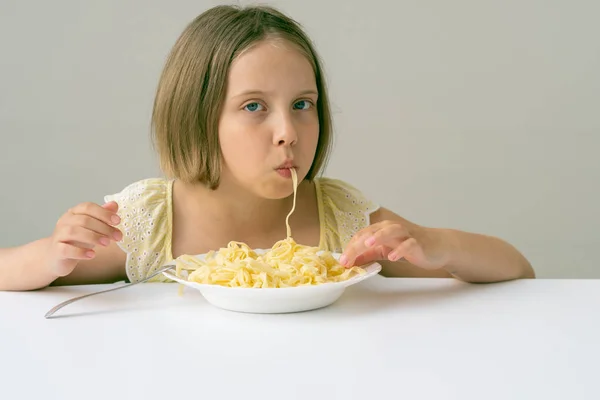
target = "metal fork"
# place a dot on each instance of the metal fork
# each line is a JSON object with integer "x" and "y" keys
{"x": 74, "y": 299}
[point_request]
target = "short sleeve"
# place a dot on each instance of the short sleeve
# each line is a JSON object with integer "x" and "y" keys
{"x": 146, "y": 226}
{"x": 344, "y": 211}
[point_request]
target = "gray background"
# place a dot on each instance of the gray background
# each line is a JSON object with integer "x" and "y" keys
{"x": 476, "y": 115}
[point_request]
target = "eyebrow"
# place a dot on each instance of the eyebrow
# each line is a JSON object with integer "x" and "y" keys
{"x": 260, "y": 92}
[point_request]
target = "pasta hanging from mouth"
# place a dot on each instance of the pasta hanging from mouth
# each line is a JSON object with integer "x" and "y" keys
{"x": 286, "y": 264}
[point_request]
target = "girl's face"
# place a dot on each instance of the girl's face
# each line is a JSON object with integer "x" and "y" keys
{"x": 269, "y": 121}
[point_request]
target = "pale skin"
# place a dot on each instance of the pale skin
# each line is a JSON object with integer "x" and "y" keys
{"x": 269, "y": 118}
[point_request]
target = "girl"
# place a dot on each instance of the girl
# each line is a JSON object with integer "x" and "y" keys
{"x": 240, "y": 102}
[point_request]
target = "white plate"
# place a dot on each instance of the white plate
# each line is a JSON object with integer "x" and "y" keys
{"x": 275, "y": 300}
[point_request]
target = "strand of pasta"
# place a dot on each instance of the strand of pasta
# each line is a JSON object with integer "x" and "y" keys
{"x": 286, "y": 264}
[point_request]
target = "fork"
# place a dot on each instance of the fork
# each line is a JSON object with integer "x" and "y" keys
{"x": 74, "y": 299}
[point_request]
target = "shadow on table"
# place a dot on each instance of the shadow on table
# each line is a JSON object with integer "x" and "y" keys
{"x": 369, "y": 297}
{"x": 121, "y": 309}
{"x": 122, "y": 302}
{"x": 403, "y": 293}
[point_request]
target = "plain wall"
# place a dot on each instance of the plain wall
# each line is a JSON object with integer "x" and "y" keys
{"x": 475, "y": 115}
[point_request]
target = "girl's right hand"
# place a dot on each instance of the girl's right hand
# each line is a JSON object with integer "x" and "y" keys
{"x": 78, "y": 232}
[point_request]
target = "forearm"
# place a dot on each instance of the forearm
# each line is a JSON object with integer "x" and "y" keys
{"x": 25, "y": 267}
{"x": 479, "y": 258}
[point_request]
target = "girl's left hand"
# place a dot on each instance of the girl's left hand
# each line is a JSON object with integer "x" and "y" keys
{"x": 394, "y": 240}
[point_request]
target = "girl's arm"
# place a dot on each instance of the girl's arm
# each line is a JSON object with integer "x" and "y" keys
{"x": 81, "y": 250}
{"x": 27, "y": 267}
{"x": 412, "y": 250}
{"x": 480, "y": 258}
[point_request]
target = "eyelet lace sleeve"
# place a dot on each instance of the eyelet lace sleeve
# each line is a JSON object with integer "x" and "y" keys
{"x": 345, "y": 210}
{"x": 146, "y": 225}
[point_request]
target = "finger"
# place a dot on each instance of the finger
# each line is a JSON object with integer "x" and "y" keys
{"x": 111, "y": 206}
{"x": 372, "y": 254}
{"x": 357, "y": 243}
{"x": 82, "y": 236}
{"x": 389, "y": 235}
{"x": 99, "y": 212}
{"x": 100, "y": 227}
{"x": 361, "y": 235}
{"x": 406, "y": 249}
{"x": 364, "y": 233}
{"x": 81, "y": 245}
{"x": 67, "y": 251}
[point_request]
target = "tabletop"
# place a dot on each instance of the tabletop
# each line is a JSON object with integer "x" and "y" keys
{"x": 386, "y": 337}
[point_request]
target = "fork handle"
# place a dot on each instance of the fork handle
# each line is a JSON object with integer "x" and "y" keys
{"x": 74, "y": 299}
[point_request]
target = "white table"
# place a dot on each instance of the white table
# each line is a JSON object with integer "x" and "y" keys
{"x": 389, "y": 338}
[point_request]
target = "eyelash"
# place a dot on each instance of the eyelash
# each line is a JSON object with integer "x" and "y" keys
{"x": 312, "y": 104}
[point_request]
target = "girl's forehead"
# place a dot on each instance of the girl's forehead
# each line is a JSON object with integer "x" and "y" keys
{"x": 271, "y": 65}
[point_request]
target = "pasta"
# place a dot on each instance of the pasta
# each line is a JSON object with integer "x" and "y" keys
{"x": 286, "y": 264}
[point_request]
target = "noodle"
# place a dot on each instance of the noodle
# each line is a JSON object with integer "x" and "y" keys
{"x": 286, "y": 264}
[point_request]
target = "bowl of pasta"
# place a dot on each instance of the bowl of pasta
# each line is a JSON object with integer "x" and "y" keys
{"x": 286, "y": 278}
{"x": 289, "y": 277}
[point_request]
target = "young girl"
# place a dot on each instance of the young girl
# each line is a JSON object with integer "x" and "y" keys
{"x": 240, "y": 102}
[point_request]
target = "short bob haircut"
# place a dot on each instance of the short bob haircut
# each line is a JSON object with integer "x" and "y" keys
{"x": 192, "y": 88}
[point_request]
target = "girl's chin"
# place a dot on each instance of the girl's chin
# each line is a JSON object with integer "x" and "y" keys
{"x": 279, "y": 188}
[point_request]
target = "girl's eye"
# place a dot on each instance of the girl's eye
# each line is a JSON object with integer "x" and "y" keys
{"x": 252, "y": 107}
{"x": 302, "y": 105}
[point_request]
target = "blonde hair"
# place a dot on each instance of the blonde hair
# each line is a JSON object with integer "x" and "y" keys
{"x": 193, "y": 83}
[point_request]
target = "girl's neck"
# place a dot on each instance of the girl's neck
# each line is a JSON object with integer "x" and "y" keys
{"x": 231, "y": 212}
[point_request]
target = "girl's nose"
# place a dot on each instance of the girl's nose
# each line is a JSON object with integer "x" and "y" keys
{"x": 285, "y": 132}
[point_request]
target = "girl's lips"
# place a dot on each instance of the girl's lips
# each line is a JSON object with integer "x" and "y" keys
{"x": 285, "y": 172}
{"x": 287, "y": 164}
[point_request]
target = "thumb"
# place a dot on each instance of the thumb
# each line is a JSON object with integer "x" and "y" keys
{"x": 111, "y": 206}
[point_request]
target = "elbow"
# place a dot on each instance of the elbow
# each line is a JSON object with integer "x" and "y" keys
{"x": 7, "y": 286}
{"x": 520, "y": 270}
{"x": 523, "y": 268}
{"x": 527, "y": 270}
{"x": 519, "y": 267}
